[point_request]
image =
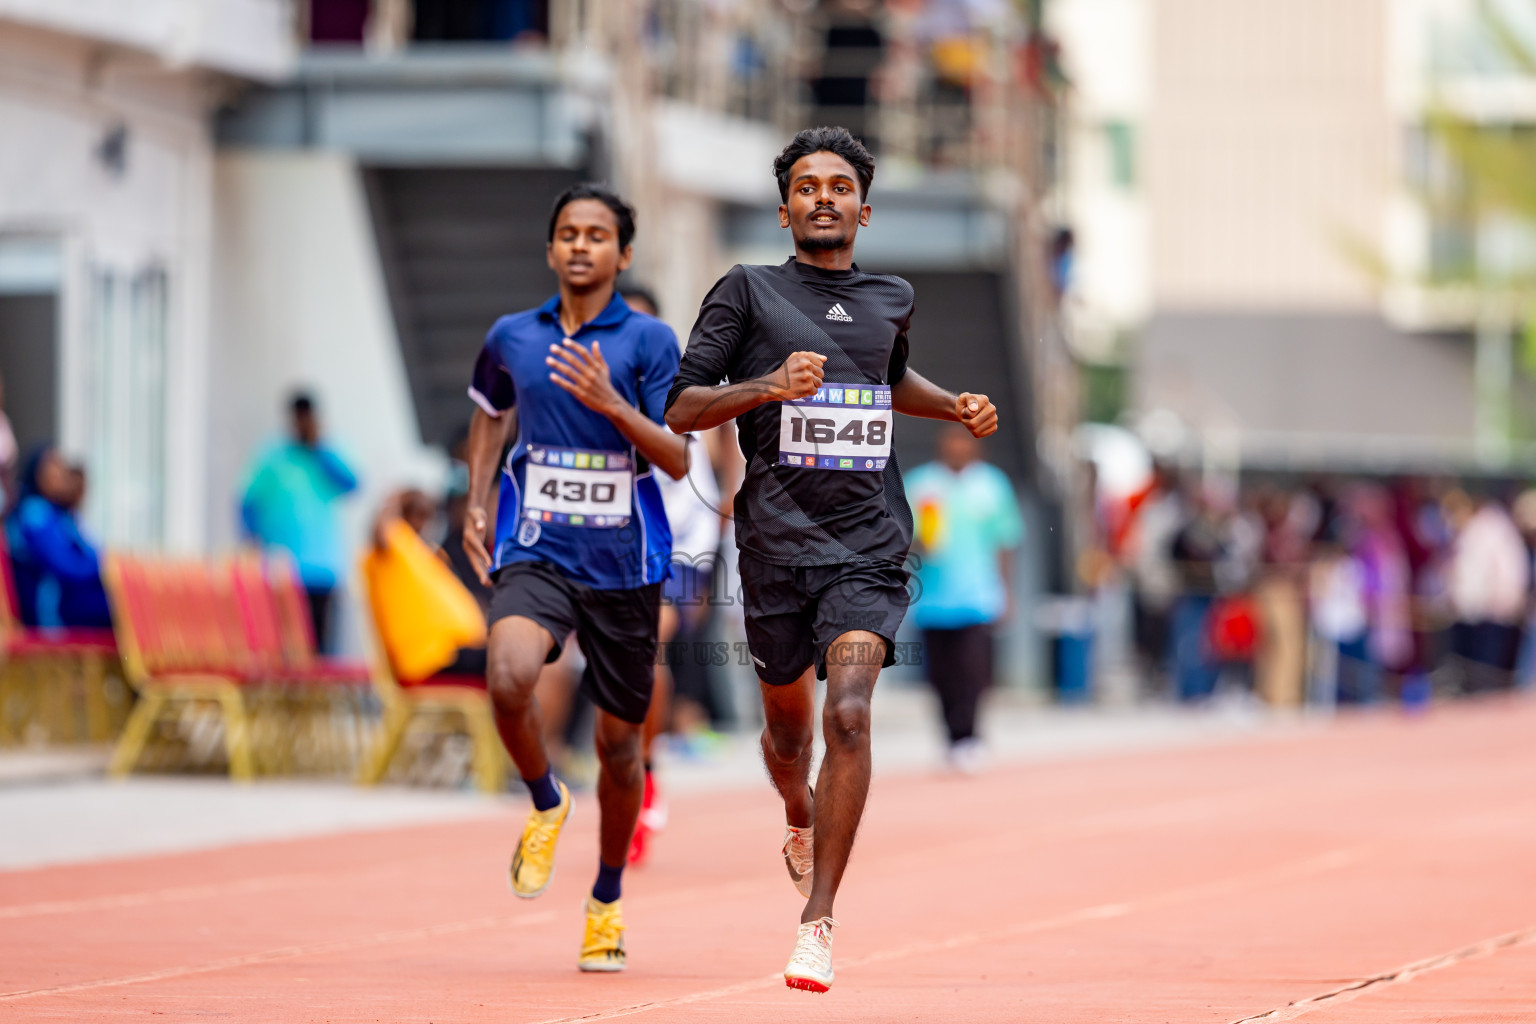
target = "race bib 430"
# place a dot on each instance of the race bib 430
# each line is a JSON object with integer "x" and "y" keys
{"x": 577, "y": 487}
{"x": 841, "y": 426}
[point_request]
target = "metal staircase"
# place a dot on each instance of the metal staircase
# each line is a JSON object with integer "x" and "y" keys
{"x": 460, "y": 247}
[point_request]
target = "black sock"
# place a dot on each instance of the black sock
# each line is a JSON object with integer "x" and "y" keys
{"x": 607, "y": 888}
{"x": 546, "y": 795}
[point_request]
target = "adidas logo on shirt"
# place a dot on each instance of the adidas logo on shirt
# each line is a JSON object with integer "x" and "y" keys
{"x": 837, "y": 312}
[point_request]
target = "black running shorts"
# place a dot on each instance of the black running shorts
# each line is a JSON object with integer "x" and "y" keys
{"x": 615, "y": 628}
{"x": 794, "y": 613}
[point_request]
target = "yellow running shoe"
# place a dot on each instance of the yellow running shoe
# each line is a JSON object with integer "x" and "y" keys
{"x": 533, "y": 862}
{"x": 602, "y": 947}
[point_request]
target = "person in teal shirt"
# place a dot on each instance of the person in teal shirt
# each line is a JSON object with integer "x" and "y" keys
{"x": 290, "y": 505}
{"x": 967, "y": 527}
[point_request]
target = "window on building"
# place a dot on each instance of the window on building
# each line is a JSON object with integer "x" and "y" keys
{"x": 1120, "y": 142}
{"x": 31, "y": 276}
{"x": 125, "y": 405}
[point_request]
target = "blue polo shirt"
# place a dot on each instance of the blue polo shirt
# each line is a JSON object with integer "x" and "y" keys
{"x": 642, "y": 354}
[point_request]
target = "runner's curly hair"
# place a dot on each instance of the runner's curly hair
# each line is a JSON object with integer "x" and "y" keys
{"x": 839, "y": 141}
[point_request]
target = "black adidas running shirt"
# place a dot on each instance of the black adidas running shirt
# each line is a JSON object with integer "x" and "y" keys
{"x": 750, "y": 322}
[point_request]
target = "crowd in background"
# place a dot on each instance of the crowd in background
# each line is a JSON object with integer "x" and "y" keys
{"x": 1327, "y": 590}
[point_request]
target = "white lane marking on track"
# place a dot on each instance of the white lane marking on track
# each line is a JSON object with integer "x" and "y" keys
{"x": 1363, "y": 986}
{"x": 287, "y": 953}
{"x": 172, "y": 894}
{"x": 1330, "y": 861}
{"x": 1099, "y": 823}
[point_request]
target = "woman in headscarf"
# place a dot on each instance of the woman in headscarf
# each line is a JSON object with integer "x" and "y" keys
{"x": 58, "y": 571}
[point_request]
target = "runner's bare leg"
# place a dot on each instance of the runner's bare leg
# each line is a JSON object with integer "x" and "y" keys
{"x": 514, "y": 657}
{"x": 620, "y": 785}
{"x": 789, "y": 714}
{"x": 842, "y": 785}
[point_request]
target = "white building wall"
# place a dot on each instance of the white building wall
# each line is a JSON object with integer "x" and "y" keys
{"x": 299, "y": 300}
{"x": 1272, "y": 148}
{"x": 59, "y": 98}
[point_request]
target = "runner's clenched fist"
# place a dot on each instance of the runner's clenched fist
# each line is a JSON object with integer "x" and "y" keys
{"x": 802, "y": 374}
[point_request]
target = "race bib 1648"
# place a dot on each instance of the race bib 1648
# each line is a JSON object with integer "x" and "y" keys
{"x": 841, "y": 426}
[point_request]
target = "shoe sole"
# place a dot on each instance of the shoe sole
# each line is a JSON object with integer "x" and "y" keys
{"x": 540, "y": 890}
{"x": 600, "y": 968}
{"x": 806, "y": 984}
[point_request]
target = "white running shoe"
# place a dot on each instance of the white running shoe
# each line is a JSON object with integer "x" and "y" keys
{"x": 810, "y": 966}
{"x": 799, "y": 856}
{"x": 968, "y": 757}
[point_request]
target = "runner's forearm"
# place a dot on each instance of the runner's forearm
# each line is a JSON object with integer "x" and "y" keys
{"x": 665, "y": 450}
{"x": 916, "y": 395}
{"x": 487, "y": 437}
{"x": 701, "y": 408}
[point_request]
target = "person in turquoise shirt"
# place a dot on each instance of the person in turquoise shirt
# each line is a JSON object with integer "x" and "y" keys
{"x": 290, "y": 505}
{"x": 968, "y": 525}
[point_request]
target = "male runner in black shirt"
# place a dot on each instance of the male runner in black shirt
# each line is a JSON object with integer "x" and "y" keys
{"x": 814, "y": 352}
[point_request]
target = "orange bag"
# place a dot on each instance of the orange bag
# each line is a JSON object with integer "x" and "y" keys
{"x": 422, "y": 613}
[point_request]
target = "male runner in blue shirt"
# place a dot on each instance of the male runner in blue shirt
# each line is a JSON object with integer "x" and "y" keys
{"x": 581, "y": 542}
{"x": 815, "y": 354}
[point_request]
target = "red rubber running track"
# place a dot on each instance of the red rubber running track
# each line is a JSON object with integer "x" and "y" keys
{"x": 1377, "y": 870}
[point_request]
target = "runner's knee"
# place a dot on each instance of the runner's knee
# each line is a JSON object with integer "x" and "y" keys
{"x": 619, "y": 752}
{"x": 786, "y": 740}
{"x": 845, "y": 719}
{"x": 511, "y": 677}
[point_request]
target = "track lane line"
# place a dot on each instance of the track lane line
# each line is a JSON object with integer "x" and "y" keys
{"x": 1131, "y": 818}
{"x": 184, "y": 893}
{"x": 1332, "y": 860}
{"x": 1397, "y": 976}
{"x": 285, "y": 953}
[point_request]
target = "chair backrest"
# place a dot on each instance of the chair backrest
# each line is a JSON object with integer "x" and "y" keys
{"x": 211, "y": 614}
{"x": 10, "y": 601}
{"x": 175, "y": 616}
{"x": 295, "y": 628}
{"x": 258, "y": 611}
{"x": 140, "y": 643}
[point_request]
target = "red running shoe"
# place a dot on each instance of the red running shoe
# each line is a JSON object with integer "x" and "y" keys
{"x": 653, "y": 818}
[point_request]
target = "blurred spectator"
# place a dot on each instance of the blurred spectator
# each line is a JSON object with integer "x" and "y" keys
{"x": 968, "y": 525}
{"x": 1489, "y": 583}
{"x": 1379, "y": 550}
{"x": 1279, "y": 593}
{"x": 682, "y": 688}
{"x": 1063, "y": 249}
{"x": 10, "y": 455}
{"x": 1525, "y": 520}
{"x": 57, "y": 570}
{"x": 1339, "y": 617}
{"x": 1156, "y": 515}
{"x": 337, "y": 21}
{"x": 485, "y": 20}
{"x": 428, "y": 623}
{"x": 1198, "y": 548}
{"x": 290, "y": 505}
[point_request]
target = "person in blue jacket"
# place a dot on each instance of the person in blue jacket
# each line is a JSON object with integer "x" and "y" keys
{"x": 57, "y": 570}
{"x": 290, "y": 504}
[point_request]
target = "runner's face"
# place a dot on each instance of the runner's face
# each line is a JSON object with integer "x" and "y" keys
{"x": 585, "y": 252}
{"x": 824, "y": 209}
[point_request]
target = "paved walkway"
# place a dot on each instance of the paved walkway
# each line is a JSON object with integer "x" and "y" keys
{"x": 1374, "y": 870}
